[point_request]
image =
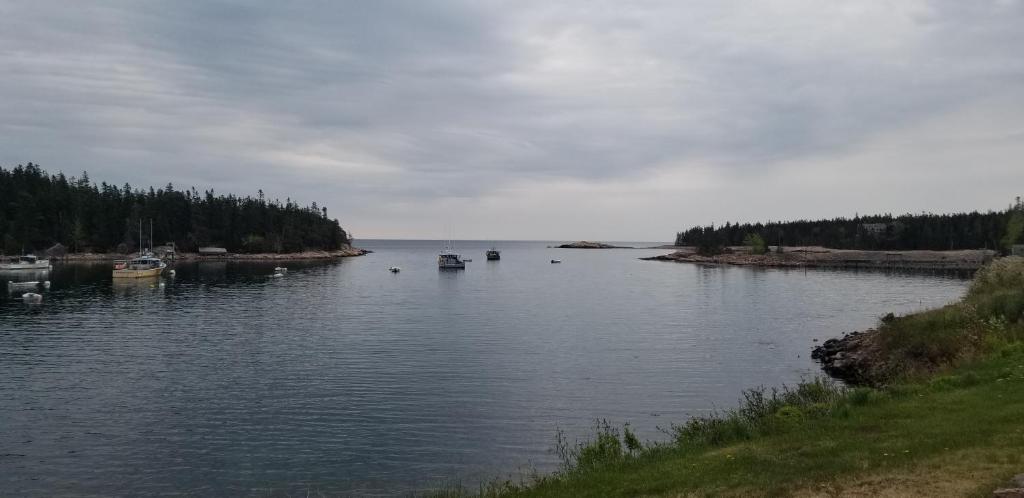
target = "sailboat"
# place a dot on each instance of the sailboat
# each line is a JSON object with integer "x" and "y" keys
{"x": 146, "y": 265}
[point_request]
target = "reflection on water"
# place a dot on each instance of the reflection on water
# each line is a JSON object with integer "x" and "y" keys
{"x": 342, "y": 377}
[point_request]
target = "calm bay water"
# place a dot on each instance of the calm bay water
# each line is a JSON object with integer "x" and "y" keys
{"x": 343, "y": 378}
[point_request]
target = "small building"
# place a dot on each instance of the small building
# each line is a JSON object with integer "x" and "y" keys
{"x": 874, "y": 228}
{"x": 1017, "y": 250}
{"x": 213, "y": 251}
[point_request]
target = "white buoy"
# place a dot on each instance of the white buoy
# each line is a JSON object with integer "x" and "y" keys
{"x": 46, "y": 284}
{"x": 171, "y": 272}
{"x": 32, "y": 298}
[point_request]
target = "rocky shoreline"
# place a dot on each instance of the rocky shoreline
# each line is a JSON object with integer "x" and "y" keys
{"x": 822, "y": 257}
{"x": 853, "y": 358}
{"x": 190, "y": 256}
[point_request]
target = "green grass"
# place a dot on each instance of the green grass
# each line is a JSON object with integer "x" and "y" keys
{"x": 949, "y": 422}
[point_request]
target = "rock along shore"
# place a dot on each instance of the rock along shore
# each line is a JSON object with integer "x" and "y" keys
{"x": 853, "y": 358}
{"x": 191, "y": 256}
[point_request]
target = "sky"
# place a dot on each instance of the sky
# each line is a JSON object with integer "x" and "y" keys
{"x": 580, "y": 119}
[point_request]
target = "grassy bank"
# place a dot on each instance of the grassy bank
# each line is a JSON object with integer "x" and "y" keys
{"x": 948, "y": 420}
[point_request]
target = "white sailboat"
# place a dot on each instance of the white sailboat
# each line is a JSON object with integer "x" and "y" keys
{"x": 146, "y": 265}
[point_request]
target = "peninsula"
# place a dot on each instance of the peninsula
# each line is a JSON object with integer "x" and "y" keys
{"x": 77, "y": 219}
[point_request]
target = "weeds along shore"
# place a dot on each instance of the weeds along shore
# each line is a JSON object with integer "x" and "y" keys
{"x": 937, "y": 412}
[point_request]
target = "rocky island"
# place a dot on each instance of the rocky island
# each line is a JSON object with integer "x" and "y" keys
{"x": 583, "y": 244}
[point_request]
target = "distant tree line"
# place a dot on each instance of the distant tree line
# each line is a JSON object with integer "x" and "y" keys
{"x": 997, "y": 230}
{"x": 38, "y": 210}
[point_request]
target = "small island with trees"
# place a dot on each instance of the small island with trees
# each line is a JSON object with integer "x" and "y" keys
{"x": 78, "y": 219}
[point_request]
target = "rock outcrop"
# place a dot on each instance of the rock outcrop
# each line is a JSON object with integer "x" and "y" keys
{"x": 854, "y": 358}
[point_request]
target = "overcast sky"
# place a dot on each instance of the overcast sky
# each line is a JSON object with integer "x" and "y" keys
{"x": 607, "y": 120}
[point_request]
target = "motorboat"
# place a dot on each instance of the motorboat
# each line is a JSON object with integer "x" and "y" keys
{"x": 280, "y": 269}
{"x": 555, "y": 261}
{"x": 32, "y": 298}
{"x": 493, "y": 254}
{"x": 26, "y": 262}
{"x": 394, "y": 269}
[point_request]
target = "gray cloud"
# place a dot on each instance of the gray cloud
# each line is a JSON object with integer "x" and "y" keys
{"x": 389, "y": 110}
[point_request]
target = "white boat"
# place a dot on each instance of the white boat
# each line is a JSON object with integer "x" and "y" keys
{"x": 27, "y": 262}
{"x": 394, "y": 269}
{"x": 280, "y": 269}
{"x": 141, "y": 267}
{"x": 32, "y": 298}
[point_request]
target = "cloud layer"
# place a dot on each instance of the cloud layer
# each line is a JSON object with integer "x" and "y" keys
{"x": 596, "y": 119}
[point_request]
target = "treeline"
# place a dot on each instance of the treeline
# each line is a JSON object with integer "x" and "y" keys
{"x": 997, "y": 230}
{"x": 39, "y": 210}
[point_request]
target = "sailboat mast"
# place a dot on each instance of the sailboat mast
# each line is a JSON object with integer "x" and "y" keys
{"x": 151, "y": 235}
{"x": 140, "y": 237}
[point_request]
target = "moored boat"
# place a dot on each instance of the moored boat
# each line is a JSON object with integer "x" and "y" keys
{"x": 493, "y": 254}
{"x": 141, "y": 267}
{"x": 27, "y": 262}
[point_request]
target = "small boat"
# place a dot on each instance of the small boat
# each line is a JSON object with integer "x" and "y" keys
{"x": 277, "y": 275}
{"x": 145, "y": 266}
{"x": 27, "y": 262}
{"x": 493, "y": 254}
{"x": 32, "y": 298}
{"x": 394, "y": 269}
{"x": 555, "y": 261}
{"x": 141, "y": 267}
{"x": 449, "y": 260}
{"x": 19, "y": 286}
{"x": 280, "y": 269}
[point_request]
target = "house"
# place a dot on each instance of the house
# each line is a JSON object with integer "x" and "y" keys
{"x": 874, "y": 228}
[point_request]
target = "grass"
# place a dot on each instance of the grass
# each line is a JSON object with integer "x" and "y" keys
{"x": 947, "y": 423}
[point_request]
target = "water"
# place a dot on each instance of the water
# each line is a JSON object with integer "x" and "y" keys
{"x": 343, "y": 378}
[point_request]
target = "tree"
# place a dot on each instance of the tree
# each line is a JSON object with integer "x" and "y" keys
{"x": 755, "y": 243}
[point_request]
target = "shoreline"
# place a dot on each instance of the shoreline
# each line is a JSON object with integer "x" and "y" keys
{"x": 349, "y": 252}
{"x": 821, "y": 257}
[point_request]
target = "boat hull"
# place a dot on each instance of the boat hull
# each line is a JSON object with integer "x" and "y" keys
{"x": 41, "y": 265}
{"x": 150, "y": 272}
